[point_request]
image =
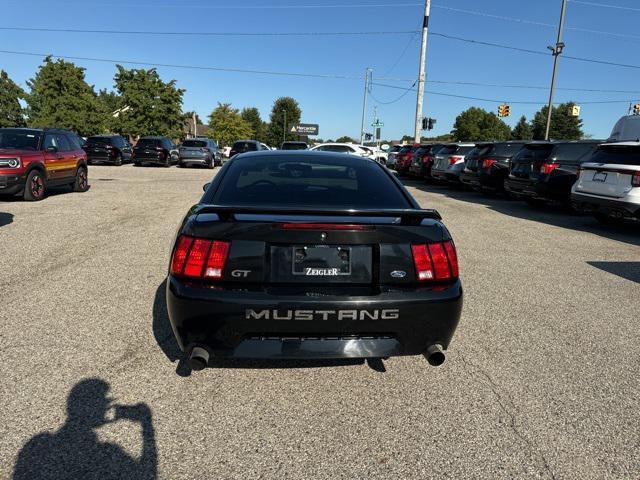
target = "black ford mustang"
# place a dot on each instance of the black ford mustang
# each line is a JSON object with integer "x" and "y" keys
{"x": 294, "y": 255}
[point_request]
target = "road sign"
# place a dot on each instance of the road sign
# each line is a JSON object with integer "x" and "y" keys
{"x": 575, "y": 111}
{"x": 304, "y": 128}
{"x": 377, "y": 124}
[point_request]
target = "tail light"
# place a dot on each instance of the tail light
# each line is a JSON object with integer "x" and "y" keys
{"x": 454, "y": 159}
{"x": 199, "y": 258}
{"x": 435, "y": 261}
{"x": 547, "y": 168}
{"x": 489, "y": 162}
{"x": 635, "y": 179}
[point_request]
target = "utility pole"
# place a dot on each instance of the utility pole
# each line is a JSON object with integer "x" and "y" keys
{"x": 421, "y": 71}
{"x": 195, "y": 124}
{"x": 367, "y": 72}
{"x": 555, "y": 51}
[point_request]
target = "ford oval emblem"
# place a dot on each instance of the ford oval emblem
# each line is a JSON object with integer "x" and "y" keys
{"x": 398, "y": 274}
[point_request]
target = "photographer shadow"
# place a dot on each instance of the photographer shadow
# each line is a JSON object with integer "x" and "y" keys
{"x": 75, "y": 451}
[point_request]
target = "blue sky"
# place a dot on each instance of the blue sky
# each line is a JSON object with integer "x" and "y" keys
{"x": 336, "y": 104}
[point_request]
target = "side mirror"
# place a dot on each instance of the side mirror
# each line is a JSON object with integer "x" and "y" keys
{"x": 205, "y": 187}
{"x": 52, "y": 149}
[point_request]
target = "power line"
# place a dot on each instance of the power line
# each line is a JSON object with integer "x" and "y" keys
{"x": 401, "y": 56}
{"x": 197, "y": 67}
{"x": 494, "y": 100}
{"x": 605, "y": 5}
{"x": 407, "y": 90}
{"x": 211, "y": 34}
{"x": 530, "y": 87}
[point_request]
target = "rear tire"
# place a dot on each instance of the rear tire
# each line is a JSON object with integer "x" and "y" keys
{"x": 81, "y": 183}
{"x": 118, "y": 160}
{"x": 34, "y": 187}
{"x": 167, "y": 162}
{"x": 211, "y": 164}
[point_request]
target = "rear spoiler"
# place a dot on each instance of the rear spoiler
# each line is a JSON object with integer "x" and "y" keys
{"x": 408, "y": 216}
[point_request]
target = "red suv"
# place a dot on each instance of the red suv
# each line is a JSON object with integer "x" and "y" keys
{"x": 32, "y": 160}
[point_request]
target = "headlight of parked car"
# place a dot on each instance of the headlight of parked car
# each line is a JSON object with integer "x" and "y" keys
{"x": 10, "y": 163}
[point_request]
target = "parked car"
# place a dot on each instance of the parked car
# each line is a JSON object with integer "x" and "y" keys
{"x": 422, "y": 161}
{"x": 242, "y": 146}
{"x": 153, "y": 150}
{"x": 544, "y": 172}
{"x": 294, "y": 146}
{"x": 449, "y": 155}
{"x": 202, "y": 151}
{"x": 375, "y": 153}
{"x": 339, "y": 280}
{"x": 405, "y": 158}
{"x": 108, "y": 148}
{"x": 608, "y": 185}
{"x": 626, "y": 129}
{"x": 341, "y": 148}
{"x": 493, "y": 165}
{"x": 32, "y": 160}
{"x": 392, "y": 155}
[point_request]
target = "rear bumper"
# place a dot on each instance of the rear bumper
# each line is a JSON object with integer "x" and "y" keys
{"x": 261, "y": 324}
{"x": 608, "y": 206}
{"x": 470, "y": 178}
{"x": 521, "y": 188}
{"x": 194, "y": 158}
{"x": 11, "y": 184}
{"x": 438, "y": 174}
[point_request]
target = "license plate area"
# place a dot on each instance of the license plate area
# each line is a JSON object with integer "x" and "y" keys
{"x": 600, "y": 177}
{"x": 321, "y": 260}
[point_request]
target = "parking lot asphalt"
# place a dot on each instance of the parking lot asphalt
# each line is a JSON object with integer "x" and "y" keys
{"x": 541, "y": 380}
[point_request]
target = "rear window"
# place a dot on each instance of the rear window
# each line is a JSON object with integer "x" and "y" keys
{"x": 618, "y": 155}
{"x": 571, "y": 151}
{"x": 406, "y": 148}
{"x": 506, "y": 149}
{"x": 148, "y": 143}
{"x": 533, "y": 152}
{"x": 395, "y": 148}
{"x": 99, "y": 141}
{"x": 313, "y": 182}
{"x": 479, "y": 150}
{"x": 294, "y": 146}
{"x": 464, "y": 149}
{"x": 194, "y": 143}
{"x": 241, "y": 147}
{"x": 447, "y": 150}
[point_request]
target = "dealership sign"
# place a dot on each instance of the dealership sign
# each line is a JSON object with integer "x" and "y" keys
{"x": 304, "y": 128}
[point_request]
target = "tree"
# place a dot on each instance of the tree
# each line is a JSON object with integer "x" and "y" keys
{"x": 564, "y": 126}
{"x": 277, "y": 119}
{"x": 253, "y": 119}
{"x": 227, "y": 125}
{"x": 345, "y": 139}
{"x": 60, "y": 97}
{"x": 154, "y": 106}
{"x": 522, "y": 130}
{"x": 476, "y": 124}
{"x": 11, "y": 114}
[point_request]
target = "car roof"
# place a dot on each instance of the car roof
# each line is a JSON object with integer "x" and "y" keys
{"x": 247, "y": 141}
{"x": 621, "y": 144}
{"x": 39, "y": 130}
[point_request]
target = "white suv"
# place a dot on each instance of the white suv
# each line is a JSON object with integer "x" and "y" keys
{"x": 608, "y": 186}
{"x": 341, "y": 148}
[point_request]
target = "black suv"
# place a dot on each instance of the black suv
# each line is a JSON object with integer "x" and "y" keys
{"x": 242, "y": 146}
{"x": 108, "y": 148}
{"x": 492, "y": 165}
{"x": 294, "y": 146}
{"x": 546, "y": 171}
{"x": 154, "y": 150}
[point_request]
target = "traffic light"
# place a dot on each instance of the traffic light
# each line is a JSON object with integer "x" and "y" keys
{"x": 368, "y": 136}
{"x": 428, "y": 123}
{"x": 636, "y": 109}
{"x": 504, "y": 110}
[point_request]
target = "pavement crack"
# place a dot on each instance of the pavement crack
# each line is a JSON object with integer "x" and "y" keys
{"x": 507, "y": 406}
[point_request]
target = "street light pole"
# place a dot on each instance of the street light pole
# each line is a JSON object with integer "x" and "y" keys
{"x": 421, "y": 70}
{"x": 364, "y": 103}
{"x": 555, "y": 51}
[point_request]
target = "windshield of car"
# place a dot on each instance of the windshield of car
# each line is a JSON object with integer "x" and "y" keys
{"x": 99, "y": 141}
{"x": 241, "y": 147}
{"x": 617, "y": 154}
{"x": 194, "y": 143}
{"x": 148, "y": 143}
{"x": 15, "y": 140}
{"x": 305, "y": 181}
{"x": 572, "y": 151}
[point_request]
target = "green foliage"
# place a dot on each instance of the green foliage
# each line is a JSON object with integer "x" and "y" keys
{"x": 227, "y": 125}
{"x": 276, "y": 122}
{"x": 476, "y": 124}
{"x": 344, "y": 139}
{"x": 253, "y": 119}
{"x": 564, "y": 126}
{"x": 11, "y": 114}
{"x": 522, "y": 130}
{"x": 155, "y": 106}
{"x": 446, "y": 138}
{"x": 61, "y": 98}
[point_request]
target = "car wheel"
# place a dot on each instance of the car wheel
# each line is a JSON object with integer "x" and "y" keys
{"x": 211, "y": 163}
{"x": 81, "y": 183}
{"x": 167, "y": 161}
{"x": 34, "y": 188}
{"x": 118, "y": 160}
